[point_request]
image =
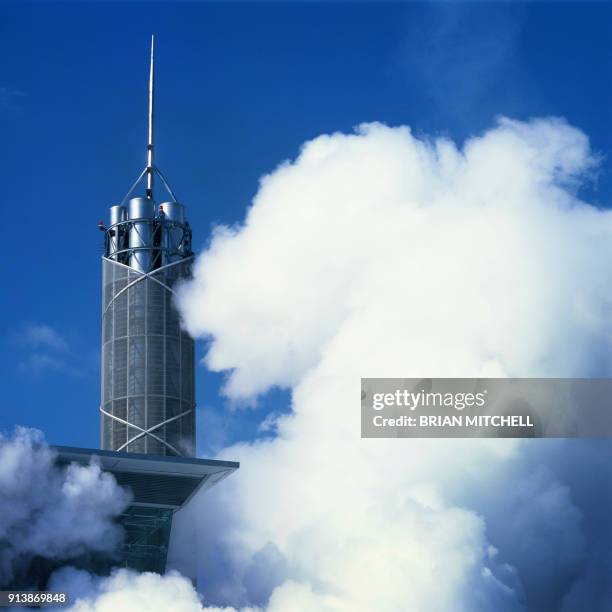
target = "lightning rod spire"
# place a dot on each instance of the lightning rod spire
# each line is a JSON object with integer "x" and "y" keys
{"x": 150, "y": 141}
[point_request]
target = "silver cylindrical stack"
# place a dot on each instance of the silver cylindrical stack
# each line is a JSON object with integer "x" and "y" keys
{"x": 148, "y": 360}
{"x": 117, "y": 233}
{"x": 141, "y": 215}
{"x": 173, "y": 231}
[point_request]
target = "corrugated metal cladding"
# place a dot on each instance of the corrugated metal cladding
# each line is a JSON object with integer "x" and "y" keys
{"x": 148, "y": 363}
{"x": 168, "y": 489}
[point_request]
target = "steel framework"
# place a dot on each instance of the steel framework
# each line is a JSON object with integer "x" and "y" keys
{"x": 148, "y": 386}
{"x": 148, "y": 363}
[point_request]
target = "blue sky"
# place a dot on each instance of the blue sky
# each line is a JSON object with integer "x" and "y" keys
{"x": 239, "y": 88}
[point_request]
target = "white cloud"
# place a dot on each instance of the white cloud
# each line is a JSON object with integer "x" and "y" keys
{"x": 52, "y": 512}
{"x": 46, "y": 351}
{"x": 40, "y": 335}
{"x": 38, "y": 364}
{"x": 128, "y": 591}
{"x": 382, "y": 254}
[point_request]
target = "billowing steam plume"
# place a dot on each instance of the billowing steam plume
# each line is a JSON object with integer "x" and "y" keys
{"x": 382, "y": 254}
{"x": 51, "y": 513}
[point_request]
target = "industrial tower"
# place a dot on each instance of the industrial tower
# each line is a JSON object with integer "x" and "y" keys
{"x": 148, "y": 379}
{"x": 147, "y": 408}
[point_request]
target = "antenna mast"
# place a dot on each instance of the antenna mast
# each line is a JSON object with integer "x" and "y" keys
{"x": 150, "y": 142}
{"x": 150, "y": 168}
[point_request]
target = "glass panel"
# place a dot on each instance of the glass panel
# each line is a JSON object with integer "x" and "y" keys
{"x": 147, "y": 536}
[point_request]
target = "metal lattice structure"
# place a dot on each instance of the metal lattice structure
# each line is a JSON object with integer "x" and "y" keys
{"x": 148, "y": 361}
{"x": 148, "y": 387}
